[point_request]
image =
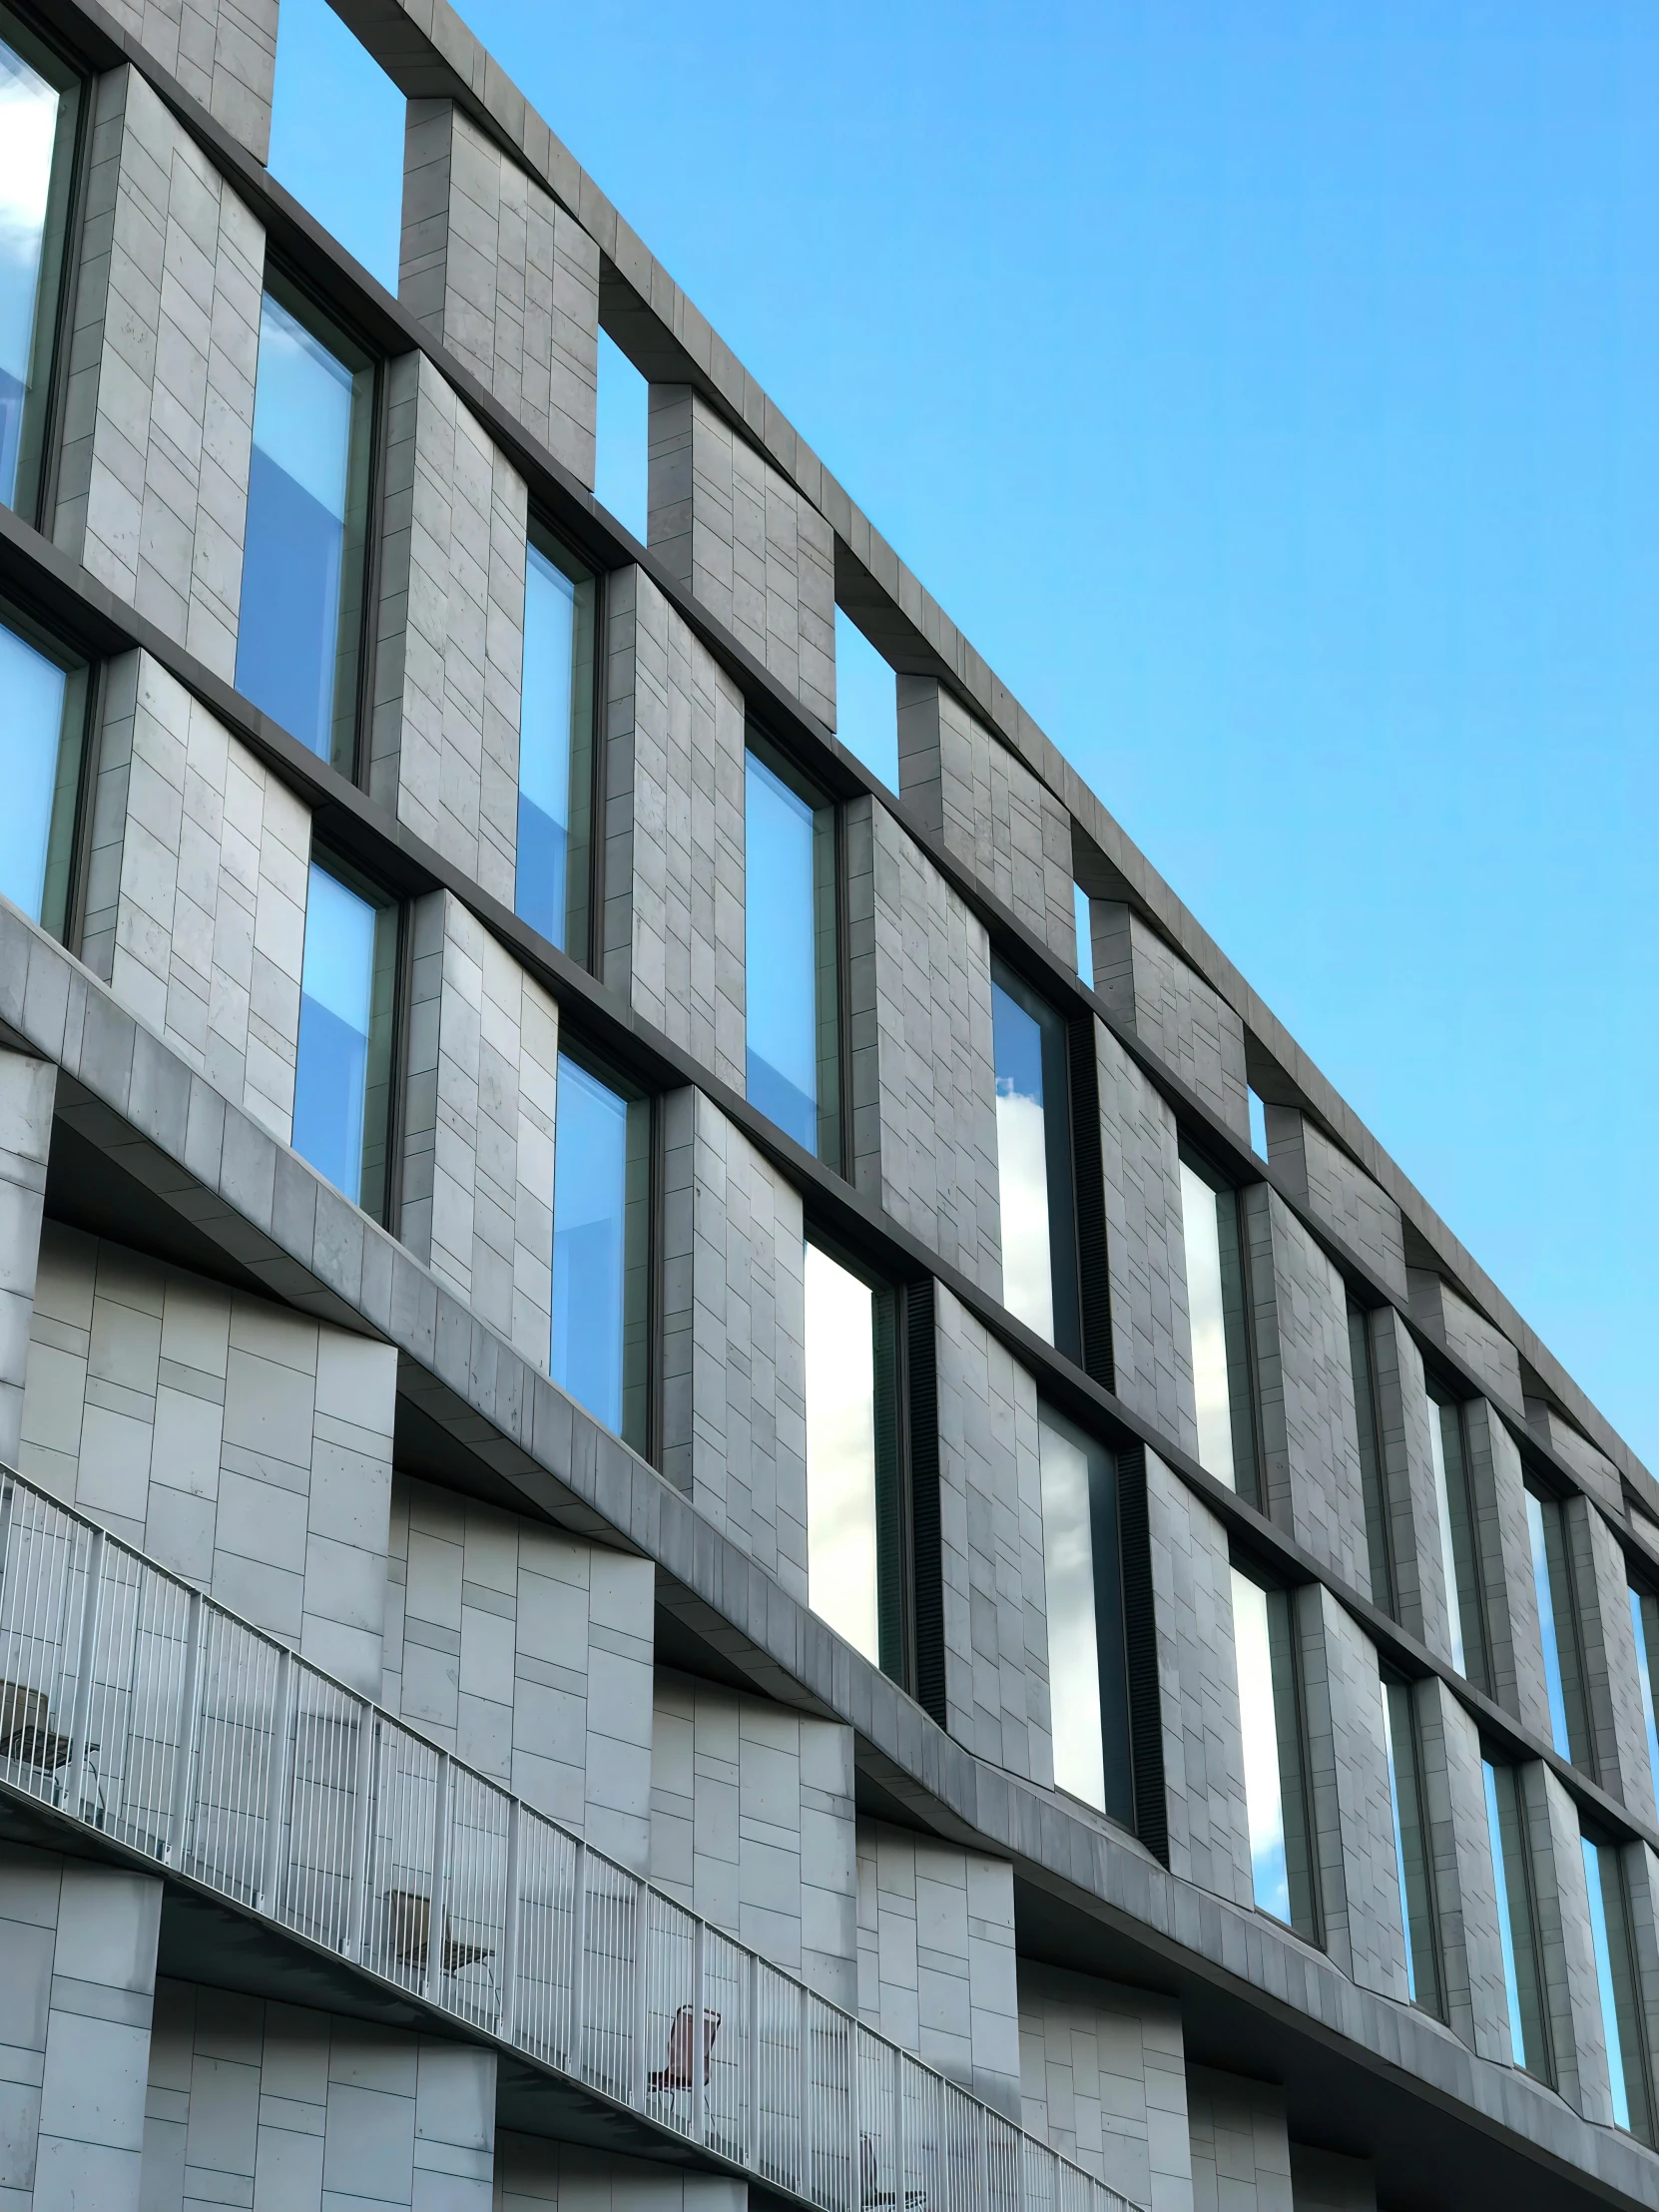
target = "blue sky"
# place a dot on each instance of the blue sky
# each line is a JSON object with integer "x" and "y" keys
{"x": 1267, "y": 393}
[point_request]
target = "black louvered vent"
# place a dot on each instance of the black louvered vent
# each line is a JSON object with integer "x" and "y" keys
{"x": 1140, "y": 1629}
{"x": 922, "y": 1390}
{"x": 1093, "y": 1286}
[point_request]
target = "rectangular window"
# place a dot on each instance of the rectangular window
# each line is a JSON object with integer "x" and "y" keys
{"x": 1518, "y": 1920}
{"x": 1412, "y": 1852}
{"x": 1369, "y": 1425}
{"x": 622, "y": 448}
{"x": 44, "y": 736}
{"x": 791, "y": 958}
{"x": 40, "y": 101}
{"x": 1087, "y": 1660}
{"x": 1269, "y": 1715}
{"x": 1558, "y": 1627}
{"x": 866, "y": 702}
{"x": 1465, "y": 1602}
{"x": 1644, "y": 1620}
{"x": 556, "y": 747}
{"x": 854, "y": 1525}
{"x": 1034, "y": 1156}
{"x": 1218, "y": 1311}
{"x": 300, "y": 637}
{"x": 1084, "y": 918}
{"x": 1617, "y": 1987}
{"x": 1257, "y": 1123}
{"x": 600, "y": 1349}
{"x": 347, "y": 1004}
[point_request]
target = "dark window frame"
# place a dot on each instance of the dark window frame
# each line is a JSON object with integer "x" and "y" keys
{"x": 1244, "y": 1396}
{"x": 1374, "y": 1467}
{"x": 1059, "y": 1155}
{"x": 557, "y": 547}
{"x": 1402, "y": 1696}
{"x": 1290, "y": 1715}
{"x": 1519, "y": 1874}
{"x": 1567, "y": 1622}
{"x": 371, "y": 888}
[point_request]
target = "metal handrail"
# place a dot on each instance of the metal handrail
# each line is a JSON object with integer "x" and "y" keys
{"x": 134, "y": 1704}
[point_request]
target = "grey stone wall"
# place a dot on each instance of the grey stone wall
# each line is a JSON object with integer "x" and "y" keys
{"x": 482, "y": 1070}
{"x": 733, "y": 1337}
{"x": 1103, "y": 2079}
{"x": 1146, "y": 1252}
{"x": 28, "y": 1089}
{"x": 492, "y": 268}
{"x": 242, "y": 1445}
{"x": 673, "y": 935}
{"x": 937, "y": 1965}
{"x": 744, "y": 543}
{"x": 532, "y": 2172}
{"x": 1597, "y": 1472}
{"x": 1241, "y": 2153}
{"x": 753, "y": 1826}
{"x": 1504, "y": 1545}
{"x": 221, "y": 51}
{"x": 527, "y": 1653}
{"x": 1612, "y": 1685}
{"x": 1403, "y": 1412}
{"x": 79, "y": 1944}
{"x": 1641, "y": 1871}
{"x": 1008, "y": 829}
{"x": 1571, "y": 1992}
{"x": 1191, "y": 1594}
{"x": 1172, "y": 1010}
{"x": 195, "y": 888}
{"x": 254, "y": 2103}
{"x": 1305, "y": 1388}
{"x": 159, "y": 414}
{"x": 1468, "y": 1336}
{"x": 1338, "y": 1192}
{"x": 923, "y": 1120}
{"x": 1349, "y": 1795}
{"x": 991, "y": 1546}
{"x": 1324, "y": 2181}
{"x": 1465, "y": 1893}
{"x": 449, "y": 657}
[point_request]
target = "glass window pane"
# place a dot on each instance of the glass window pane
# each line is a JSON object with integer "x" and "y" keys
{"x": 1512, "y": 1873}
{"x": 341, "y": 1092}
{"x": 1547, "y": 1626}
{"x": 1205, "y": 1309}
{"x": 1264, "y": 1792}
{"x": 1022, "y": 1164}
{"x": 1411, "y": 1847}
{"x": 1644, "y": 1620}
{"x": 1460, "y": 1554}
{"x": 843, "y": 1564}
{"x": 1558, "y": 1626}
{"x": 1073, "y": 1629}
{"x": 1085, "y": 935}
{"x": 790, "y": 935}
{"x": 601, "y": 1198}
{"x": 38, "y": 105}
{"x": 555, "y": 752}
{"x": 866, "y": 702}
{"x": 1597, "y": 1865}
{"x": 1368, "y": 1428}
{"x": 297, "y": 645}
{"x": 42, "y": 724}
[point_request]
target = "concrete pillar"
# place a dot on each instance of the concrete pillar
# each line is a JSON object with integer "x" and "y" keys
{"x": 1465, "y": 1894}
{"x": 449, "y": 657}
{"x": 79, "y": 1944}
{"x": 1172, "y": 1010}
{"x": 223, "y": 53}
{"x": 533, "y": 2174}
{"x": 496, "y": 271}
{"x": 1613, "y": 1684}
{"x": 734, "y": 1337}
{"x": 673, "y": 929}
{"x": 924, "y": 1119}
{"x": 1572, "y": 1997}
{"x": 27, "y": 1091}
{"x": 1240, "y": 2150}
{"x": 1103, "y": 2079}
{"x": 1405, "y": 1411}
{"x": 158, "y": 415}
{"x": 1338, "y": 1192}
{"x": 1503, "y": 1546}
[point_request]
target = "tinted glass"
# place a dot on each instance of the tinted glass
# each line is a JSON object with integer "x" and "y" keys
{"x": 601, "y": 1196}
{"x": 38, "y": 105}
{"x": 1281, "y": 1862}
{"x": 1644, "y": 1620}
{"x": 1459, "y": 1553}
{"x": 842, "y": 1561}
{"x": 341, "y": 1090}
{"x": 301, "y": 577}
{"x": 1413, "y": 1854}
{"x": 555, "y": 752}
{"x": 1088, "y": 1684}
{"x": 790, "y": 935}
{"x": 1517, "y": 1927}
{"x": 42, "y": 721}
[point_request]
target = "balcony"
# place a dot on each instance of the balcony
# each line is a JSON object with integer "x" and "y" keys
{"x": 138, "y": 1709}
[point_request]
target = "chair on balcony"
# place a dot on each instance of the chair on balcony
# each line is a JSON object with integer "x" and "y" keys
{"x": 409, "y": 1914}
{"x": 872, "y": 2196}
{"x": 678, "y": 2071}
{"x": 27, "y": 1735}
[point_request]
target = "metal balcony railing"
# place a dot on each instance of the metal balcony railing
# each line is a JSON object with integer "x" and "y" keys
{"x": 133, "y": 1703}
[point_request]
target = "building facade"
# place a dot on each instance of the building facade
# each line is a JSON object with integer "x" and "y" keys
{"x": 723, "y": 1480}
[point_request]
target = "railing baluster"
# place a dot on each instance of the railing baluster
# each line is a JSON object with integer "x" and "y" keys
{"x": 508, "y": 2004}
{"x": 437, "y": 1913}
{"x": 91, "y": 1590}
{"x": 362, "y": 1830}
{"x": 809, "y": 2131}
{"x": 752, "y": 2065}
{"x": 189, "y": 1732}
{"x": 277, "y": 1773}
{"x": 578, "y": 1961}
{"x": 699, "y": 2054}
